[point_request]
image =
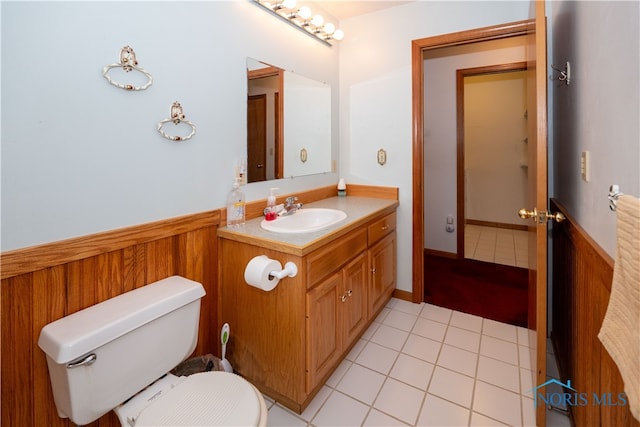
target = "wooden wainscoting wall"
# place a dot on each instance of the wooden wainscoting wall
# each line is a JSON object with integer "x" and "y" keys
{"x": 582, "y": 274}
{"x": 44, "y": 283}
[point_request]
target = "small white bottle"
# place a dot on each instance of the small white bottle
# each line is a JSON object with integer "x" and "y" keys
{"x": 235, "y": 206}
{"x": 342, "y": 188}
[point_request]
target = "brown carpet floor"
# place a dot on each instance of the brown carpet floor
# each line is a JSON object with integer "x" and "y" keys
{"x": 492, "y": 291}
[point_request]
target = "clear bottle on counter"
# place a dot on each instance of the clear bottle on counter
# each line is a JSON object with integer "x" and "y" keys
{"x": 236, "y": 206}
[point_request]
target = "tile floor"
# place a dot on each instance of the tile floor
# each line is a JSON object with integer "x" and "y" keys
{"x": 498, "y": 245}
{"x": 420, "y": 364}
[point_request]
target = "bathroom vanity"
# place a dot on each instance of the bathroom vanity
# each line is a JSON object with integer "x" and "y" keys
{"x": 289, "y": 340}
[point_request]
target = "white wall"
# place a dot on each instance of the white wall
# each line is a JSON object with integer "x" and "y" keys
{"x": 375, "y": 93}
{"x": 80, "y": 156}
{"x": 598, "y": 111}
{"x": 495, "y": 158}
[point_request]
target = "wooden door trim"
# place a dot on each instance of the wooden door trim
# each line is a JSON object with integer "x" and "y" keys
{"x": 460, "y": 187}
{"x": 537, "y": 63}
{"x": 417, "y": 72}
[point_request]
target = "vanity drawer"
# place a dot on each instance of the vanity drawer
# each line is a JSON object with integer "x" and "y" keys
{"x": 381, "y": 228}
{"x": 327, "y": 260}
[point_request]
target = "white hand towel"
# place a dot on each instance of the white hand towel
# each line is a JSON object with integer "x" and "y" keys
{"x": 620, "y": 331}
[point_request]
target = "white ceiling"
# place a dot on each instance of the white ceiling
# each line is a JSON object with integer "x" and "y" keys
{"x": 341, "y": 9}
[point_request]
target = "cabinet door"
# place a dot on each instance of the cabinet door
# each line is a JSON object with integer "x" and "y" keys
{"x": 382, "y": 263}
{"x": 324, "y": 332}
{"x": 354, "y": 299}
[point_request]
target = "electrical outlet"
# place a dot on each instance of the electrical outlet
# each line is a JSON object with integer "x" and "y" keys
{"x": 449, "y": 227}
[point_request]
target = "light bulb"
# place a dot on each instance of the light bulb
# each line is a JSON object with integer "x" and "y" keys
{"x": 304, "y": 13}
{"x": 317, "y": 21}
{"x": 329, "y": 28}
{"x": 289, "y": 4}
{"x": 338, "y": 35}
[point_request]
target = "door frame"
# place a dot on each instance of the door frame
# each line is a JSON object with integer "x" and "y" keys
{"x": 460, "y": 135}
{"x": 418, "y": 46}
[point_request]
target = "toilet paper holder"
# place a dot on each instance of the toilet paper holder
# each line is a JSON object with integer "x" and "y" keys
{"x": 290, "y": 270}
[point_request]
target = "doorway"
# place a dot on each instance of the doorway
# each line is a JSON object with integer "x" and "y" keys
{"x": 256, "y": 137}
{"x": 264, "y": 124}
{"x": 492, "y": 164}
{"x": 535, "y": 31}
{"x": 481, "y": 276}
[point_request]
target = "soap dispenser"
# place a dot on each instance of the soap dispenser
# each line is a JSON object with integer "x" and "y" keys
{"x": 270, "y": 212}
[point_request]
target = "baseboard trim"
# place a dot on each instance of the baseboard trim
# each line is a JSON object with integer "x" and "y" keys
{"x": 495, "y": 224}
{"x": 403, "y": 295}
{"x": 441, "y": 254}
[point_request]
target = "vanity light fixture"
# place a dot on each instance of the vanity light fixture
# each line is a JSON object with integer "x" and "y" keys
{"x": 303, "y": 19}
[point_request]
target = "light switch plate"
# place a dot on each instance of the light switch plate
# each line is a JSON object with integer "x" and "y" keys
{"x": 585, "y": 166}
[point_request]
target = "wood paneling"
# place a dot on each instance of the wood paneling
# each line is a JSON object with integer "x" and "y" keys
{"x": 582, "y": 274}
{"x": 44, "y": 283}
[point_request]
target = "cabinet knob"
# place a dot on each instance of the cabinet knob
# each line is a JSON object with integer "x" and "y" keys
{"x": 346, "y": 295}
{"x": 373, "y": 270}
{"x": 385, "y": 227}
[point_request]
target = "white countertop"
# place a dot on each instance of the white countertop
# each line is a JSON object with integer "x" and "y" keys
{"x": 359, "y": 210}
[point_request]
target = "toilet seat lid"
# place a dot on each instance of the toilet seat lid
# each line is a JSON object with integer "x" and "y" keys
{"x": 214, "y": 398}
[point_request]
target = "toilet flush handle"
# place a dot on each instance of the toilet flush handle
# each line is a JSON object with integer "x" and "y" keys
{"x": 88, "y": 360}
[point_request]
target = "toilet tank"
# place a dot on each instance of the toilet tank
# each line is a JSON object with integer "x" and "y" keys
{"x": 100, "y": 356}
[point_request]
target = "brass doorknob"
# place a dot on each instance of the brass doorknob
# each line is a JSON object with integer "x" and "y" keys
{"x": 525, "y": 213}
{"x": 558, "y": 217}
{"x": 540, "y": 216}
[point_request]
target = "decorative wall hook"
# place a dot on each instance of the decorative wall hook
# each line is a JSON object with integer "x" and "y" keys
{"x": 565, "y": 75}
{"x": 177, "y": 117}
{"x": 614, "y": 195}
{"x": 128, "y": 62}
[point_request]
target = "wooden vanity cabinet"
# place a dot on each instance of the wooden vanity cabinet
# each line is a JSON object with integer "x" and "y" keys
{"x": 337, "y": 312}
{"x": 288, "y": 341}
{"x": 382, "y": 260}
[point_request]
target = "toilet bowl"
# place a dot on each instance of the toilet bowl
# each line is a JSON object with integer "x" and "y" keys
{"x": 215, "y": 398}
{"x": 123, "y": 349}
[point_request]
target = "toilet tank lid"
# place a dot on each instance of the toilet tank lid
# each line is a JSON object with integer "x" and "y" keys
{"x": 75, "y": 335}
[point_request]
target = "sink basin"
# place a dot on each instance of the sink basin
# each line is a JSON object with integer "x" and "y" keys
{"x": 305, "y": 220}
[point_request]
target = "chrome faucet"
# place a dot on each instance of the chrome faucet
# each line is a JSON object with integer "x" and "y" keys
{"x": 290, "y": 206}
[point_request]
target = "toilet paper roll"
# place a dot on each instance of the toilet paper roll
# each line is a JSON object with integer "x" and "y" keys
{"x": 257, "y": 272}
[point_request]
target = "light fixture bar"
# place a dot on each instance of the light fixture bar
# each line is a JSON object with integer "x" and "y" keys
{"x": 302, "y": 19}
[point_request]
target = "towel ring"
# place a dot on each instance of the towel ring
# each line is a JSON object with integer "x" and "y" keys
{"x": 177, "y": 117}
{"x": 127, "y": 62}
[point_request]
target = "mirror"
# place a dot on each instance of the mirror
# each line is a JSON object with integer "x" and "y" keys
{"x": 288, "y": 124}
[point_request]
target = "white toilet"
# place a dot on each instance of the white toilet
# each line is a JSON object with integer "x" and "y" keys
{"x": 117, "y": 355}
